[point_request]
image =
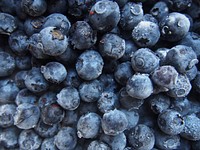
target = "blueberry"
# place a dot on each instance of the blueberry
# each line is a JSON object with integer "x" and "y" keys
{"x": 8, "y": 23}
{"x": 179, "y": 5}
{"x": 141, "y": 137}
{"x": 130, "y": 48}
{"x": 95, "y": 145}
{"x": 48, "y": 144}
{"x": 68, "y": 98}
{"x": 131, "y": 15}
{"x": 7, "y": 112}
{"x": 159, "y": 10}
{"x": 123, "y": 72}
{"x": 86, "y": 107}
{"x": 88, "y": 125}
{"x": 162, "y": 53}
{"x": 33, "y": 25}
{"x": 146, "y": 34}
{"x": 68, "y": 57}
{"x": 46, "y": 131}
{"x": 26, "y": 116}
{"x": 139, "y": 86}
{"x": 18, "y": 42}
{"x": 7, "y": 65}
{"x": 165, "y": 141}
{"x": 174, "y": 27}
{"x": 28, "y": 139}
{"x": 34, "y": 8}
{"x": 82, "y": 36}
{"x": 71, "y": 118}
{"x": 171, "y": 122}
{"x": 192, "y": 127}
{"x": 59, "y": 21}
{"x": 52, "y": 114}
{"x": 66, "y": 139}
{"x": 25, "y": 96}
{"x": 132, "y": 117}
{"x": 150, "y": 18}
{"x": 72, "y": 78}
{"x": 192, "y": 40}
{"x": 114, "y": 122}
{"x": 9, "y": 137}
{"x": 59, "y": 6}
{"x": 129, "y": 102}
{"x": 23, "y": 62}
{"x": 182, "y": 87}
{"x": 159, "y": 103}
{"x": 182, "y": 58}
{"x": 144, "y": 60}
{"x": 90, "y": 91}
{"x": 196, "y": 82}
{"x": 54, "y": 72}
{"x": 47, "y": 98}
{"x": 54, "y": 42}
{"x": 35, "y": 46}
{"x": 35, "y": 81}
{"x": 117, "y": 142}
{"x": 107, "y": 101}
{"x": 8, "y": 90}
{"x": 89, "y": 61}
{"x": 191, "y": 73}
{"x": 112, "y": 46}
{"x": 165, "y": 76}
{"x": 104, "y": 15}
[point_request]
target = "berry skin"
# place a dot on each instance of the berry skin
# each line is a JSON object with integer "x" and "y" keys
{"x": 28, "y": 139}
{"x": 82, "y": 36}
{"x": 54, "y": 72}
{"x": 182, "y": 87}
{"x": 59, "y": 21}
{"x": 107, "y": 101}
{"x": 165, "y": 76}
{"x": 123, "y": 72}
{"x": 25, "y": 96}
{"x": 35, "y": 81}
{"x": 26, "y": 116}
{"x": 54, "y": 41}
{"x": 46, "y": 131}
{"x": 66, "y": 139}
{"x": 144, "y": 60}
{"x": 7, "y": 112}
{"x": 114, "y": 122}
{"x": 95, "y": 145}
{"x": 182, "y": 58}
{"x": 8, "y": 23}
{"x": 88, "y": 125}
{"x": 8, "y": 90}
{"x": 141, "y": 137}
{"x": 20, "y": 79}
{"x": 192, "y": 127}
{"x": 34, "y": 8}
{"x": 174, "y": 27}
{"x": 48, "y": 144}
{"x": 9, "y": 137}
{"x": 68, "y": 98}
{"x": 112, "y": 46}
{"x": 139, "y": 86}
{"x": 52, "y": 114}
{"x": 104, "y": 15}
{"x": 131, "y": 15}
{"x": 89, "y": 65}
{"x": 146, "y": 34}
{"x": 171, "y": 122}
{"x": 7, "y": 65}
{"x": 90, "y": 91}
{"x": 46, "y": 99}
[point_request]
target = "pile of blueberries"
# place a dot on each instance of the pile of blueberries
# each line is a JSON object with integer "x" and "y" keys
{"x": 99, "y": 75}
